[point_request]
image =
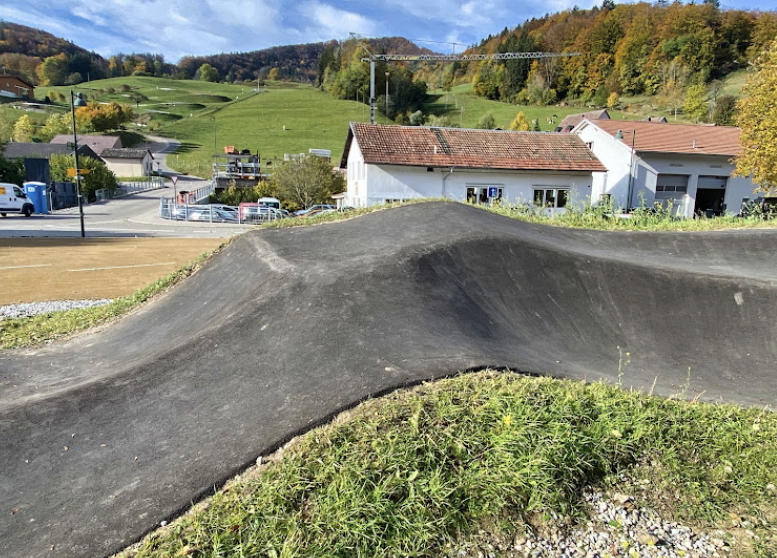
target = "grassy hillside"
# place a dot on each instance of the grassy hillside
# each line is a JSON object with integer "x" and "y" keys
{"x": 283, "y": 117}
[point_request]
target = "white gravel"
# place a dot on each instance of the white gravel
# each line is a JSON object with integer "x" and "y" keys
{"x": 615, "y": 528}
{"x": 35, "y": 308}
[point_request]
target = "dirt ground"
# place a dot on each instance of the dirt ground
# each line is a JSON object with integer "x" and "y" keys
{"x": 42, "y": 269}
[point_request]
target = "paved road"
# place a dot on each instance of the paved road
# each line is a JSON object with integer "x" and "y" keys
{"x": 134, "y": 215}
{"x": 108, "y": 434}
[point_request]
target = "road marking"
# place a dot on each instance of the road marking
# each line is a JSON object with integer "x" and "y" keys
{"x": 121, "y": 267}
{"x": 26, "y": 266}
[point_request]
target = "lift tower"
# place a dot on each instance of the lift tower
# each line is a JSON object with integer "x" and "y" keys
{"x": 372, "y": 58}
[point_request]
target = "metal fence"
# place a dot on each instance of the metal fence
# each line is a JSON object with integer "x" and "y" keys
{"x": 168, "y": 209}
{"x": 126, "y": 188}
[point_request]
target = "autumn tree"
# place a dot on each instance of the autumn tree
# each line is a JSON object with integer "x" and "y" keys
{"x": 56, "y": 124}
{"x": 695, "y": 104}
{"x": 209, "y": 73}
{"x": 23, "y": 130}
{"x": 274, "y": 74}
{"x": 53, "y": 70}
{"x": 306, "y": 181}
{"x": 757, "y": 117}
{"x": 519, "y": 123}
{"x": 98, "y": 178}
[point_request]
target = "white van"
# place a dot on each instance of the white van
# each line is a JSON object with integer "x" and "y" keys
{"x": 14, "y": 200}
{"x": 275, "y": 203}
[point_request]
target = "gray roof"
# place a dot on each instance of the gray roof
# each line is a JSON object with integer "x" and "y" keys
{"x": 573, "y": 120}
{"x": 97, "y": 143}
{"x": 126, "y": 153}
{"x": 18, "y": 150}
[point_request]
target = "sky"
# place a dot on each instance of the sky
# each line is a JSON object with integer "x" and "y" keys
{"x": 177, "y": 28}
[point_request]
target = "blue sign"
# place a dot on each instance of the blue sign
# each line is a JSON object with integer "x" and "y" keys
{"x": 493, "y": 192}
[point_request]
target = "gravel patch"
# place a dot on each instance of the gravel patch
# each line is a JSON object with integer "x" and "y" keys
{"x": 34, "y": 308}
{"x": 615, "y": 528}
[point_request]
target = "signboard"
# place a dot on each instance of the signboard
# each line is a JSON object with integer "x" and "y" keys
{"x": 174, "y": 179}
{"x": 493, "y": 192}
{"x": 72, "y": 172}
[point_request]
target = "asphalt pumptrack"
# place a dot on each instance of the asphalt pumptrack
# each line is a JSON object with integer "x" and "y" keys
{"x": 111, "y": 432}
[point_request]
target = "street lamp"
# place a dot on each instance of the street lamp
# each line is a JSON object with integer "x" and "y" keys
{"x": 619, "y": 136}
{"x": 77, "y": 101}
{"x": 387, "y": 76}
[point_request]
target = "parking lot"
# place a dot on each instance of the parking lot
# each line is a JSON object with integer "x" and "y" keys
{"x": 43, "y": 269}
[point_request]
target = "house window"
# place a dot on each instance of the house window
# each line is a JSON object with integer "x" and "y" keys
{"x": 480, "y": 194}
{"x": 551, "y": 197}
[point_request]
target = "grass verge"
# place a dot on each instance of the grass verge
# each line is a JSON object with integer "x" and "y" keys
{"x": 589, "y": 217}
{"x": 422, "y": 470}
{"x": 35, "y": 330}
{"x": 582, "y": 218}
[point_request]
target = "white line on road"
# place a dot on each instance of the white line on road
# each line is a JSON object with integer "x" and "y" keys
{"x": 26, "y": 266}
{"x": 121, "y": 267}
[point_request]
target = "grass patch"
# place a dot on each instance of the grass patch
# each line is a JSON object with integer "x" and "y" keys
{"x": 580, "y": 218}
{"x": 35, "y": 330}
{"x": 589, "y": 217}
{"x": 422, "y": 469}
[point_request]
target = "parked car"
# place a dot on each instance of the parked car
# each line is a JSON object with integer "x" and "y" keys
{"x": 213, "y": 215}
{"x": 314, "y": 208}
{"x": 254, "y": 213}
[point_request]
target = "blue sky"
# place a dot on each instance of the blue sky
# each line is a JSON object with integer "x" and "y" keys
{"x": 181, "y": 27}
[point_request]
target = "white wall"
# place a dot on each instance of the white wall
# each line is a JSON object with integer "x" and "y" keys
{"x": 616, "y": 156}
{"x": 374, "y": 184}
{"x": 130, "y": 167}
{"x": 699, "y": 165}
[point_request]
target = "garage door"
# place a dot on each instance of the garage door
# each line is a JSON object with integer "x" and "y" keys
{"x": 712, "y": 182}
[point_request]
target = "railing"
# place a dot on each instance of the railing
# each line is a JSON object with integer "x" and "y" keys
{"x": 127, "y": 188}
{"x": 168, "y": 209}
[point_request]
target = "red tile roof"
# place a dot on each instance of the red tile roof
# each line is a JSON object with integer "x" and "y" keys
{"x": 471, "y": 149}
{"x": 656, "y": 137}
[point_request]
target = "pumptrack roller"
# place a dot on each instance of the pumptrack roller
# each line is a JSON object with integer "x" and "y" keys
{"x": 286, "y": 327}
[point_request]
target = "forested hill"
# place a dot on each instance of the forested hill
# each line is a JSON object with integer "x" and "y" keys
{"x": 293, "y": 62}
{"x": 23, "y": 49}
{"x": 43, "y": 59}
{"x": 624, "y": 49}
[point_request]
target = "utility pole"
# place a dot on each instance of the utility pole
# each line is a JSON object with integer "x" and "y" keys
{"x": 73, "y": 104}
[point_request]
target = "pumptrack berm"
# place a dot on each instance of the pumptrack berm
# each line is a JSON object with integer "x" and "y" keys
{"x": 107, "y": 434}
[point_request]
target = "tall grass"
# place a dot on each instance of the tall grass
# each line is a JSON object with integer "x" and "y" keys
{"x": 422, "y": 469}
{"x": 642, "y": 219}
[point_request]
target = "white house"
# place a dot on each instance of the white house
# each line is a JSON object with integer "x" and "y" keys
{"x": 395, "y": 163}
{"x": 127, "y": 162}
{"x": 687, "y": 165}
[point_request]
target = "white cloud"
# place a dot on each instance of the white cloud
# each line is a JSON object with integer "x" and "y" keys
{"x": 328, "y": 22}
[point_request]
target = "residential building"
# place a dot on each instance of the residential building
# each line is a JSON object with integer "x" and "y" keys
{"x": 396, "y": 163}
{"x": 572, "y": 120}
{"x": 97, "y": 143}
{"x": 686, "y": 166}
{"x": 19, "y": 150}
{"x": 127, "y": 162}
{"x": 15, "y": 88}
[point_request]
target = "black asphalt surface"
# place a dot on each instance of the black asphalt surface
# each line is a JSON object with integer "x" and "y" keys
{"x": 108, "y": 434}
